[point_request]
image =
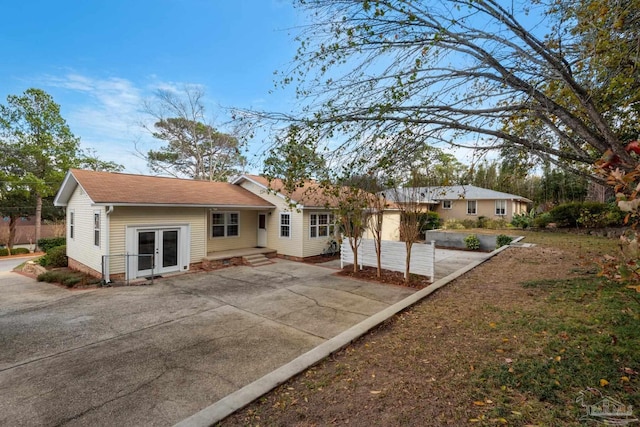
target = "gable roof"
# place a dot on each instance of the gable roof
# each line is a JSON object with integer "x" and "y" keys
{"x": 121, "y": 189}
{"x": 308, "y": 196}
{"x": 455, "y": 192}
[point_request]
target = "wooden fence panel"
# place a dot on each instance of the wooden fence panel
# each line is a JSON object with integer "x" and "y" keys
{"x": 393, "y": 256}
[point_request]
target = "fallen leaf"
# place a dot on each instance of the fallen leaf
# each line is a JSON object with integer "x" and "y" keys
{"x": 516, "y": 413}
{"x": 478, "y": 403}
{"x": 375, "y": 391}
{"x": 624, "y": 379}
{"x": 492, "y": 324}
{"x": 603, "y": 382}
{"x": 558, "y": 358}
{"x": 499, "y": 350}
{"x": 508, "y": 360}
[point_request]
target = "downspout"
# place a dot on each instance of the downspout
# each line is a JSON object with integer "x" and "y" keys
{"x": 107, "y": 239}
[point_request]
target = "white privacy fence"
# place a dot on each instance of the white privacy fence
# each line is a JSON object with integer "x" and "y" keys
{"x": 423, "y": 256}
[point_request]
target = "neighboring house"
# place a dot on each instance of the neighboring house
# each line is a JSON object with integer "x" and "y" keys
{"x": 182, "y": 223}
{"x": 463, "y": 201}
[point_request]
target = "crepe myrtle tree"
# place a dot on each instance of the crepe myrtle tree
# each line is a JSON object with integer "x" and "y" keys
{"x": 408, "y": 203}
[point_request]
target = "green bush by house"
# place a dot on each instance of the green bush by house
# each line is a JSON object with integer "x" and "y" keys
{"x": 51, "y": 242}
{"x": 55, "y": 257}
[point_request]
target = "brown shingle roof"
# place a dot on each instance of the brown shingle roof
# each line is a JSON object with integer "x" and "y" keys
{"x": 121, "y": 188}
{"x": 310, "y": 195}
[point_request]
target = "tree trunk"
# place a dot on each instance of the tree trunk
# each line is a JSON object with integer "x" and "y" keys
{"x": 38, "y": 220}
{"x": 13, "y": 221}
{"x": 407, "y": 267}
{"x": 379, "y": 257}
{"x": 354, "y": 248}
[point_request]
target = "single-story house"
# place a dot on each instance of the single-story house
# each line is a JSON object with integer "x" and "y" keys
{"x": 463, "y": 201}
{"x": 178, "y": 224}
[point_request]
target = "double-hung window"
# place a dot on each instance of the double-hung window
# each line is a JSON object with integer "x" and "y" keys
{"x": 72, "y": 224}
{"x": 472, "y": 207}
{"x": 96, "y": 228}
{"x": 446, "y": 204}
{"x": 321, "y": 225}
{"x": 225, "y": 224}
{"x": 285, "y": 224}
{"x": 501, "y": 207}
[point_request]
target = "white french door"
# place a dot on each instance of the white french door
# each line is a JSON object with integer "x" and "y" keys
{"x": 157, "y": 250}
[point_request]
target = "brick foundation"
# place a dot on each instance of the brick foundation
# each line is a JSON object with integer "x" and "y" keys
{"x": 78, "y": 266}
{"x": 209, "y": 265}
{"x": 291, "y": 257}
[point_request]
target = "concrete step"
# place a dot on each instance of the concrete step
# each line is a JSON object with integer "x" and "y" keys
{"x": 256, "y": 260}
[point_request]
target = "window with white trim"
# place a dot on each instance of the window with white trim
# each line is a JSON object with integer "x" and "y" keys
{"x": 472, "y": 207}
{"x": 72, "y": 224}
{"x": 225, "y": 224}
{"x": 446, "y": 204}
{"x": 321, "y": 225}
{"x": 285, "y": 224}
{"x": 96, "y": 228}
{"x": 501, "y": 207}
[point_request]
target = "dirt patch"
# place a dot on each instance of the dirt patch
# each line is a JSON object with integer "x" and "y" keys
{"x": 419, "y": 368}
{"x": 387, "y": 277}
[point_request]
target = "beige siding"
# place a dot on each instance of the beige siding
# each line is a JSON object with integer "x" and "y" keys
{"x": 292, "y": 246}
{"x": 123, "y": 217}
{"x": 486, "y": 208}
{"x": 248, "y": 237}
{"x": 317, "y": 245}
{"x": 81, "y": 248}
{"x": 390, "y": 227}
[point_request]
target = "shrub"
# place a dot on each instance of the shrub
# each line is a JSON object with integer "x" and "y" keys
{"x": 429, "y": 221}
{"x": 52, "y": 276}
{"x": 51, "y": 242}
{"x": 586, "y": 214}
{"x": 453, "y": 224}
{"x": 542, "y": 220}
{"x": 482, "y": 222}
{"x": 472, "y": 242}
{"x": 14, "y": 251}
{"x": 468, "y": 223}
{"x": 71, "y": 281}
{"x": 66, "y": 278}
{"x": 522, "y": 220}
{"x": 503, "y": 240}
{"x": 55, "y": 257}
{"x": 496, "y": 224}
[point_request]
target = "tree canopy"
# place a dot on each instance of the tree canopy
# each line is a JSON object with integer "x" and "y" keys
{"x": 555, "y": 78}
{"x": 193, "y": 148}
{"x": 37, "y": 148}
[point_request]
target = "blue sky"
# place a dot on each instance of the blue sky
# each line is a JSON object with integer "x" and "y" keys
{"x": 101, "y": 59}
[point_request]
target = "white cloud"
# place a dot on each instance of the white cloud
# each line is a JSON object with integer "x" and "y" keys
{"x": 107, "y": 113}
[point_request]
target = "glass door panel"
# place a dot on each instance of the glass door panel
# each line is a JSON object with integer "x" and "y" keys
{"x": 169, "y": 248}
{"x": 146, "y": 246}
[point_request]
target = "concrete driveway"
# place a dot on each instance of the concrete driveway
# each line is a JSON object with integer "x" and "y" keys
{"x": 153, "y": 355}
